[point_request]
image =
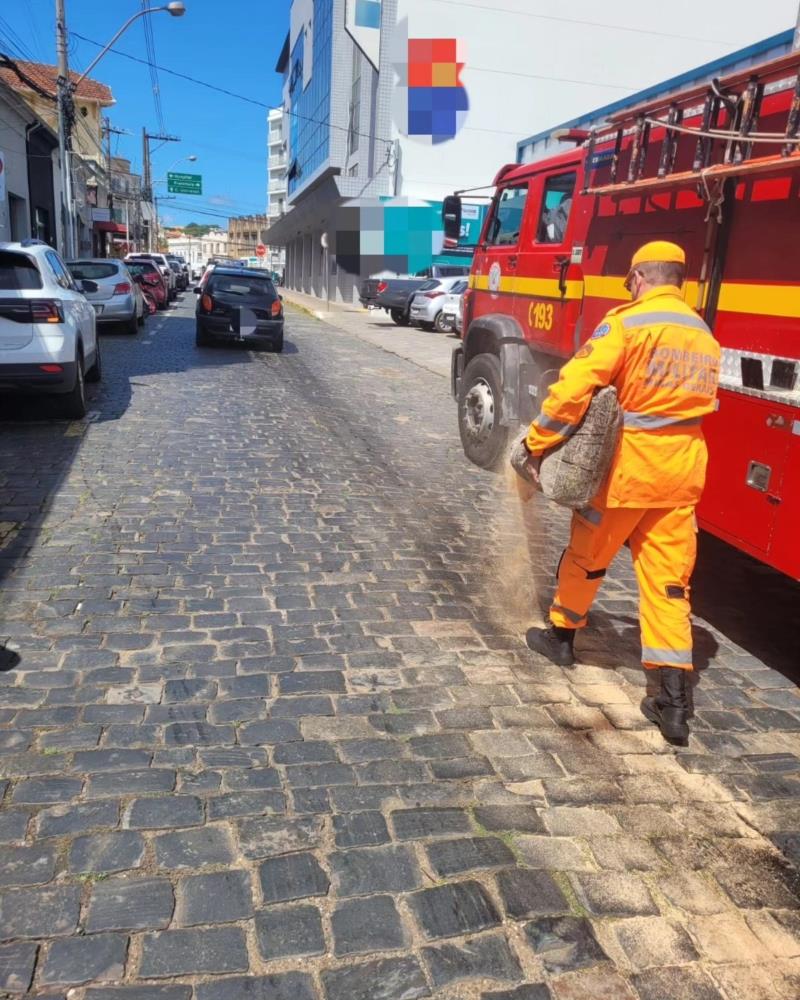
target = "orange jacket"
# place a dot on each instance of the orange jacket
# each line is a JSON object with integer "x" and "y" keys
{"x": 664, "y": 362}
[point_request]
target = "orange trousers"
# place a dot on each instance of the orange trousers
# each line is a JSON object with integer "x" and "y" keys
{"x": 663, "y": 543}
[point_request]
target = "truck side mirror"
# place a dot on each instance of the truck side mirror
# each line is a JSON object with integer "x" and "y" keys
{"x": 451, "y": 218}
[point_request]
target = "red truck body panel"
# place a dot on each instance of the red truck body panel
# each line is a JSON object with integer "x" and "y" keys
{"x": 558, "y": 279}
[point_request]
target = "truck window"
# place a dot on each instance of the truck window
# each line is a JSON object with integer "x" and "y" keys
{"x": 508, "y": 213}
{"x": 556, "y": 206}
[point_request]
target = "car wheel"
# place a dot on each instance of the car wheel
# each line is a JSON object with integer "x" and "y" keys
{"x": 73, "y": 404}
{"x": 95, "y": 373}
{"x": 400, "y": 316}
{"x": 439, "y": 324}
{"x": 201, "y": 338}
{"x": 161, "y": 305}
{"x": 426, "y": 326}
{"x": 141, "y": 319}
{"x": 131, "y": 325}
{"x": 483, "y": 437}
{"x": 277, "y": 345}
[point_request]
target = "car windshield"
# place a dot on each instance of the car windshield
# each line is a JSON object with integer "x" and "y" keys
{"x": 141, "y": 267}
{"x": 18, "y": 272}
{"x": 87, "y": 270}
{"x": 426, "y": 286}
{"x": 241, "y": 284}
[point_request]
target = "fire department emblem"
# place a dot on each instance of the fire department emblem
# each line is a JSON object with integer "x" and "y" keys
{"x": 495, "y": 274}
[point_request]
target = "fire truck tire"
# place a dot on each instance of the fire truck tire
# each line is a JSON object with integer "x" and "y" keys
{"x": 483, "y": 437}
{"x": 399, "y": 316}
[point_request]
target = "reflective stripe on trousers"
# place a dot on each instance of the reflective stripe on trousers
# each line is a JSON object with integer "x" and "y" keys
{"x": 666, "y": 656}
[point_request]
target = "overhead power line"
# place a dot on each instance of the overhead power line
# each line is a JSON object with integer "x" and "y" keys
{"x": 581, "y": 22}
{"x": 342, "y": 128}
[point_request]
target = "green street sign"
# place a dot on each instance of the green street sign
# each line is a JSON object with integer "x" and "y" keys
{"x": 184, "y": 183}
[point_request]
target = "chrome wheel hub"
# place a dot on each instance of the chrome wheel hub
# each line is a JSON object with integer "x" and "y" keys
{"x": 479, "y": 410}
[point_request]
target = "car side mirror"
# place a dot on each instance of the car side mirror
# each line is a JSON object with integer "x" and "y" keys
{"x": 88, "y": 286}
{"x": 280, "y": 297}
{"x": 197, "y": 290}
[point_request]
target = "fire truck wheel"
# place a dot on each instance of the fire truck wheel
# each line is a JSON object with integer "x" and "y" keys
{"x": 400, "y": 317}
{"x": 483, "y": 438}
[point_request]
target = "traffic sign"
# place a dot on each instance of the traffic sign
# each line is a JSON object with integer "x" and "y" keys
{"x": 261, "y": 250}
{"x": 184, "y": 183}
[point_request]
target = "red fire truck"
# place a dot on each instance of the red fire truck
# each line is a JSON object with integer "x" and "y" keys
{"x": 713, "y": 168}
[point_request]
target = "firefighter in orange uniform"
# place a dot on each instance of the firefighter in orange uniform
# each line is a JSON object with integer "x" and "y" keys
{"x": 664, "y": 362}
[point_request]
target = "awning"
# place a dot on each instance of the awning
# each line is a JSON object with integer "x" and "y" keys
{"x": 110, "y": 227}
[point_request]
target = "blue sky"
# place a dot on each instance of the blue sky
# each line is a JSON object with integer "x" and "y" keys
{"x": 230, "y": 43}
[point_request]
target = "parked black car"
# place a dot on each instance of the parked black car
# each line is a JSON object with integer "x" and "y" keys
{"x": 239, "y": 304}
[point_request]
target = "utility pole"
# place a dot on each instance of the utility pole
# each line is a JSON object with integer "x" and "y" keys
{"x": 147, "y": 179}
{"x": 109, "y": 131}
{"x": 65, "y": 113}
{"x": 796, "y": 39}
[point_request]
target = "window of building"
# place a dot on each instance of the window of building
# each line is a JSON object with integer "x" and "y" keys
{"x": 556, "y": 207}
{"x": 355, "y": 104}
{"x": 507, "y": 215}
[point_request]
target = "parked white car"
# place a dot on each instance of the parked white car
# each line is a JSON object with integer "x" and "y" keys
{"x": 48, "y": 331}
{"x": 453, "y": 305}
{"x": 426, "y": 304}
{"x": 116, "y": 297}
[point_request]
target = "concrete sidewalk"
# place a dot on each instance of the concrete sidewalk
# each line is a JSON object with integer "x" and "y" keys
{"x": 431, "y": 351}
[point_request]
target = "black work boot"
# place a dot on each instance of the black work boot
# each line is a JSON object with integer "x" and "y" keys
{"x": 553, "y": 642}
{"x": 669, "y": 709}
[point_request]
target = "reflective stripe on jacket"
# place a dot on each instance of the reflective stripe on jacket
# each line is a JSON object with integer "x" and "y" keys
{"x": 664, "y": 362}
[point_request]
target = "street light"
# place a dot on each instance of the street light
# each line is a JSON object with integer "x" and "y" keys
{"x": 66, "y": 87}
{"x": 174, "y": 9}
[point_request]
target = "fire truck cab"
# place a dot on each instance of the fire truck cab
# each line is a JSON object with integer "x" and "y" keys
{"x": 714, "y": 169}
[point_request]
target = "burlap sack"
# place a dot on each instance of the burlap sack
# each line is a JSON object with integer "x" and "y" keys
{"x": 572, "y": 472}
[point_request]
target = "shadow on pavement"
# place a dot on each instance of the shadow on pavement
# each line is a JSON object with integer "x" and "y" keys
{"x": 38, "y": 446}
{"x": 753, "y": 605}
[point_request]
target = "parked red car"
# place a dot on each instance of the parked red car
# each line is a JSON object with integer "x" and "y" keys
{"x": 152, "y": 280}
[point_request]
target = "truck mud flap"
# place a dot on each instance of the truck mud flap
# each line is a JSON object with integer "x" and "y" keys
{"x": 456, "y": 371}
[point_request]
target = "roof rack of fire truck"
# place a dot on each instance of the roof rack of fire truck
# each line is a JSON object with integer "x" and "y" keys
{"x": 724, "y": 138}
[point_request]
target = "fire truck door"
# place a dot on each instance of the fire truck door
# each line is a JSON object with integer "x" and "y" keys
{"x": 496, "y": 266}
{"x": 548, "y": 294}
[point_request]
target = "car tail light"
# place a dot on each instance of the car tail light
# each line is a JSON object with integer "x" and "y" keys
{"x": 123, "y": 288}
{"x": 382, "y": 286}
{"x": 207, "y": 303}
{"x": 432, "y": 295}
{"x": 275, "y": 308}
{"x": 51, "y": 369}
{"x": 46, "y": 311}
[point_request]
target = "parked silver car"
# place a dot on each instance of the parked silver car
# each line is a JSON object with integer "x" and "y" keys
{"x": 116, "y": 297}
{"x": 426, "y": 305}
{"x": 453, "y": 305}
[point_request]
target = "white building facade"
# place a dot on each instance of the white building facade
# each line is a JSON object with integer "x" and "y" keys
{"x": 198, "y": 250}
{"x": 379, "y": 120}
{"x": 276, "y": 182}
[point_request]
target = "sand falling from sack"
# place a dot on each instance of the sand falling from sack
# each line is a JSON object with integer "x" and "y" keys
{"x": 521, "y": 555}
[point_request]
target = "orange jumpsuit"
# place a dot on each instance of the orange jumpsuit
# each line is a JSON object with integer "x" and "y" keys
{"x": 664, "y": 362}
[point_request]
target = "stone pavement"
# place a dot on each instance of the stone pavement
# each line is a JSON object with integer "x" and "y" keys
{"x": 268, "y": 730}
{"x": 429, "y": 350}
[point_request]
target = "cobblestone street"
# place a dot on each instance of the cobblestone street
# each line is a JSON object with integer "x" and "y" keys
{"x": 269, "y": 729}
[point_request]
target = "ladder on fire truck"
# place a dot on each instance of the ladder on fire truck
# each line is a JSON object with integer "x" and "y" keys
{"x": 725, "y": 135}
